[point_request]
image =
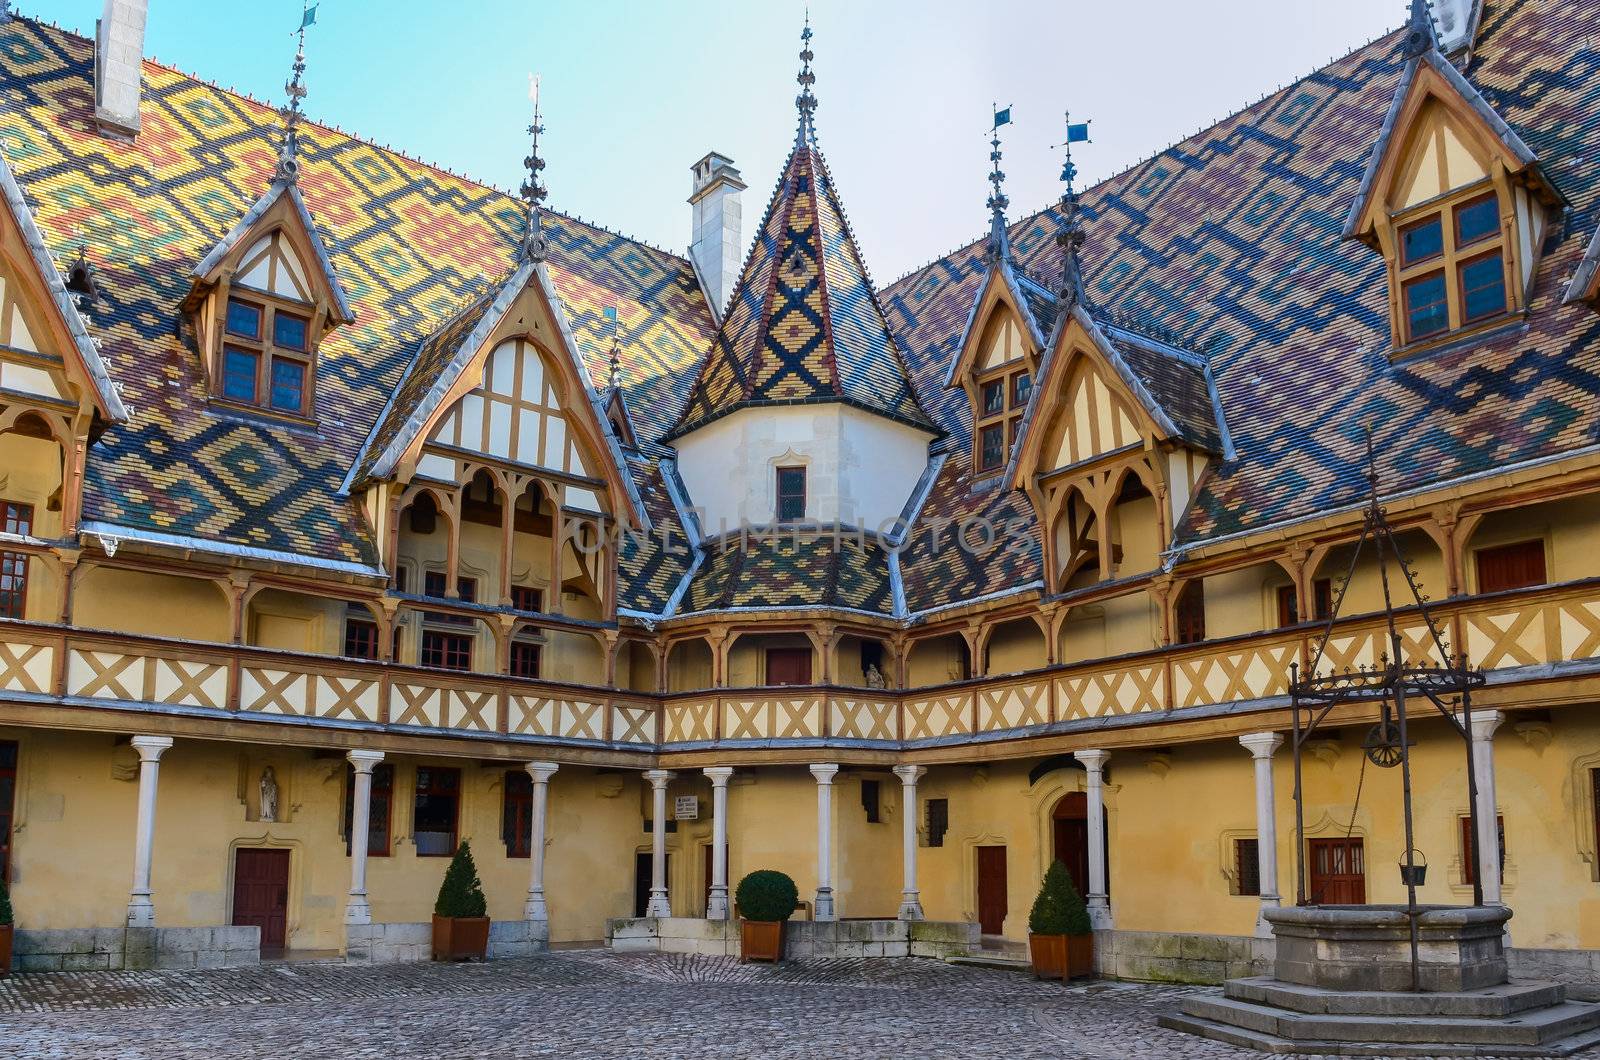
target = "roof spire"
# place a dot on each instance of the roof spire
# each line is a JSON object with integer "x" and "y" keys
{"x": 287, "y": 170}
{"x": 1071, "y": 236}
{"x": 806, "y": 102}
{"x": 999, "y": 239}
{"x": 1422, "y": 35}
{"x": 614, "y": 375}
{"x": 534, "y": 245}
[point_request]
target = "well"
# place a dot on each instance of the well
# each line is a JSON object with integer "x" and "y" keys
{"x": 1368, "y": 947}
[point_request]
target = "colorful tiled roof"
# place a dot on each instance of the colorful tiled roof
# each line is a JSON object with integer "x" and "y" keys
{"x": 803, "y": 324}
{"x": 1175, "y": 384}
{"x": 793, "y": 570}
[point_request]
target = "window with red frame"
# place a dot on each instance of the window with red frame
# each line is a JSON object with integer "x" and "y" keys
{"x": 524, "y": 659}
{"x": 516, "y": 817}
{"x": 433, "y": 585}
{"x": 360, "y": 638}
{"x": 436, "y": 811}
{"x": 1190, "y": 624}
{"x": 527, "y": 598}
{"x": 446, "y": 651}
{"x": 1469, "y": 861}
{"x": 15, "y": 518}
{"x": 379, "y": 808}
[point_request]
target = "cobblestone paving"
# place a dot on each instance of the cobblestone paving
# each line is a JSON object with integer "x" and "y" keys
{"x": 588, "y": 1004}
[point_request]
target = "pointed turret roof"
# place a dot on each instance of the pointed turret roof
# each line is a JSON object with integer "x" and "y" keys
{"x": 804, "y": 324}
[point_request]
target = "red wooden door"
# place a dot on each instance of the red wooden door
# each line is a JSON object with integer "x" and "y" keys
{"x": 991, "y": 890}
{"x": 788, "y": 666}
{"x": 261, "y": 893}
{"x": 1338, "y": 872}
{"x": 1072, "y": 837}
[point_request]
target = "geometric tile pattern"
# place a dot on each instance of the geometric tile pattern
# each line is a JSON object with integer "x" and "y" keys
{"x": 787, "y": 570}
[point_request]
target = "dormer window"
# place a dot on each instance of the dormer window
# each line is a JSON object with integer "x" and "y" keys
{"x": 266, "y": 355}
{"x": 1002, "y": 398}
{"x": 791, "y": 494}
{"x": 1452, "y": 265}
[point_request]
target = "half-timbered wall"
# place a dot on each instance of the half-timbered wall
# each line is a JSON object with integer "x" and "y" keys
{"x": 271, "y": 265}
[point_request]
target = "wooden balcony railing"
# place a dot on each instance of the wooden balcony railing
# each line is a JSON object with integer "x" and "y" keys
{"x": 1530, "y": 627}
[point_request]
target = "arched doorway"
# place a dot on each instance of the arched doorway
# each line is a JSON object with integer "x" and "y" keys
{"x": 1070, "y": 820}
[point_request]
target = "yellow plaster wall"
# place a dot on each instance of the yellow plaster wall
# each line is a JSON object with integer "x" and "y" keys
{"x": 156, "y": 604}
{"x": 30, "y": 473}
{"x": 1015, "y": 647}
{"x": 935, "y": 661}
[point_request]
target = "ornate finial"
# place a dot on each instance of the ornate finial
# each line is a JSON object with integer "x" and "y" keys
{"x": 6, "y": 14}
{"x": 288, "y": 168}
{"x": 999, "y": 239}
{"x": 615, "y": 374}
{"x": 1071, "y": 235}
{"x": 534, "y": 245}
{"x": 806, "y": 102}
{"x": 1372, "y": 469}
{"x": 1422, "y": 36}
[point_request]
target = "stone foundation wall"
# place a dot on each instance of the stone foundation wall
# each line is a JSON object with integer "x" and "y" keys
{"x": 399, "y": 943}
{"x": 95, "y": 949}
{"x": 802, "y": 938}
{"x": 1577, "y": 970}
{"x": 1162, "y": 957}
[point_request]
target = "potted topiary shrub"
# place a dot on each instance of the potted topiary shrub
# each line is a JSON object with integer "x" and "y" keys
{"x": 5, "y": 929}
{"x": 765, "y": 899}
{"x": 1060, "y": 939}
{"x": 460, "y": 916}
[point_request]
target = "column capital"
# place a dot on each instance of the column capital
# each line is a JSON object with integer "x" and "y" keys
{"x": 659, "y": 778}
{"x": 825, "y": 772}
{"x": 151, "y": 748}
{"x": 363, "y": 760}
{"x": 909, "y": 775}
{"x": 1484, "y": 724}
{"x": 718, "y": 775}
{"x": 541, "y": 772}
{"x": 1262, "y": 744}
{"x": 1092, "y": 761}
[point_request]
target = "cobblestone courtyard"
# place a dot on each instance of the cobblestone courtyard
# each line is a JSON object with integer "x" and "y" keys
{"x": 587, "y": 1004}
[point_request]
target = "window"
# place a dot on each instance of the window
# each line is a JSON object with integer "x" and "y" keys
{"x": 446, "y": 651}
{"x": 8, "y": 801}
{"x": 1289, "y": 605}
{"x": 791, "y": 494}
{"x": 1513, "y": 566}
{"x": 1189, "y": 626}
{"x": 1002, "y": 398}
{"x": 871, "y": 794}
{"x": 524, "y": 659}
{"x": 1451, "y": 267}
{"x": 435, "y": 811}
{"x": 516, "y": 814}
{"x": 1469, "y": 862}
{"x": 433, "y": 585}
{"x": 378, "y": 808}
{"x": 13, "y": 584}
{"x": 1247, "y": 866}
{"x": 1338, "y": 871}
{"x": 16, "y": 518}
{"x": 360, "y": 638}
{"x": 266, "y": 356}
{"x": 938, "y": 811}
{"x": 527, "y": 598}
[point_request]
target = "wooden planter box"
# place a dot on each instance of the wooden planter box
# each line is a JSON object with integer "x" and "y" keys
{"x": 460, "y": 938}
{"x": 760, "y": 940}
{"x": 1061, "y": 956}
{"x": 6, "y": 931}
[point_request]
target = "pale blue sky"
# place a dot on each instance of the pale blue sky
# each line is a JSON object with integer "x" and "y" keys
{"x": 636, "y": 91}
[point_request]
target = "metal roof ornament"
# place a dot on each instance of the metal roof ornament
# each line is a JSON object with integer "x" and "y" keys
{"x": 534, "y": 245}
{"x": 806, "y": 101}
{"x": 999, "y": 238}
{"x": 1422, "y": 33}
{"x": 1071, "y": 238}
{"x": 287, "y": 170}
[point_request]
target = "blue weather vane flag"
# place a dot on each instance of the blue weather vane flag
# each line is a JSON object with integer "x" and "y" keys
{"x": 308, "y": 15}
{"x": 1076, "y": 134}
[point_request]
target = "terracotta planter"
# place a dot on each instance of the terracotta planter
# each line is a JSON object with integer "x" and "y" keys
{"x": 1049, "y": 955}
{"x": 460, "y": 938}
{"x": 1080, "y": 955}
{"x": 5, "y": 950}
{"x": 760, "y": 940}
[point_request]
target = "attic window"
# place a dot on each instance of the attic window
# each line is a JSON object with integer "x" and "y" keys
{"x": 266, "y": 356}
{"x": 1452, "y": 267}
{"x": 1002, "y": 398}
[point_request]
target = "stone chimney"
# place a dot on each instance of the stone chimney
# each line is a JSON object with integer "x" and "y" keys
{"x": 715, "y": 248}
{"x": 118, "y": 62}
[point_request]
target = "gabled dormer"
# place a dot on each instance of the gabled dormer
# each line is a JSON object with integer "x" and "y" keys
{"x": 1453, "y": 199}
{"x": 1585, "y": 283}
{"x": 998, "y": 361}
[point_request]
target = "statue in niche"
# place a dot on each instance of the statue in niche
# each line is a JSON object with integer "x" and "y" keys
{"x": 875, "y": 676}
{"x": 269, "y": 795}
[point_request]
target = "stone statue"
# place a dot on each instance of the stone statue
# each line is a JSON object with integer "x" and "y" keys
{"x": 269, "y": 795}
{"x": 875, "y": 676}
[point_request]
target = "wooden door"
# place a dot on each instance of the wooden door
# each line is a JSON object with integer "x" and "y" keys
{"x": 788, "y": 666}
{"x": 1338, "y": 872}
{"x": 991, "y": 890}
{"x": 261, "y": 893}
{"x": 641, "y": 880}
{"x": 710, "y": 852}
{"x": 1072, "y": 837}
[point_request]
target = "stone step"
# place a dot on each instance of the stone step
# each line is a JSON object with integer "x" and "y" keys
{"x": 1508, "y": 999}
{"x": 999, "y": 959}
{"x": 1271, "y": 1043}
{"x": 1534, "y": 1027}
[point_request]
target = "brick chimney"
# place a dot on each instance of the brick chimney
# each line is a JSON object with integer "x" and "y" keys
{"x": 118, "y": 62}
{"x": 715, "y": 248}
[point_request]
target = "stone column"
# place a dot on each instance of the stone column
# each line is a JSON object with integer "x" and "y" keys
{"x": 910, "y": 897}
{"x": 1484, "y": 724}
{"x": 658, "y": 904}
{"x": 1099, "y": 907}
{"x": 141, "y": 911}
{"x": 356, "y": 909}
{"x": 824, "y": 903}
{"x": 1262, "y": 746}
{"x": 534, "y": 907}
{"x": 717, "y": 900}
